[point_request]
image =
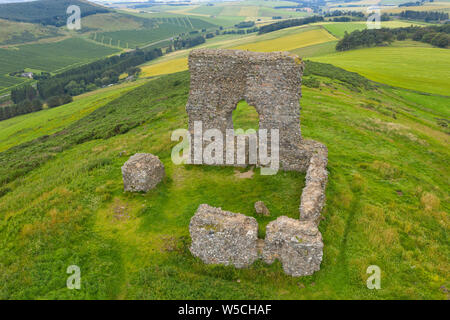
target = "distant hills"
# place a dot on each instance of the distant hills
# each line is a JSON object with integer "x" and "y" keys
{"x": 47, "y": 12}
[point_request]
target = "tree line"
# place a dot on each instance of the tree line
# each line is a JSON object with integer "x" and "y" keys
{"x": 58, "y": 89}
{"x": 288, "y": 23}
{"x": 337, "y": 13}
{"x": 424, "y": 15}
{"x": 435, "y": 35}
{"x": 31, "y": 103}
{"x": 93, "y": 75}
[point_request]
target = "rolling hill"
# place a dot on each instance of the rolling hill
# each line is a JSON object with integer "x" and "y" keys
{"x": 381, "y": 111}
{"x": 47, "y": 12}
{"x": 405, "y": 64}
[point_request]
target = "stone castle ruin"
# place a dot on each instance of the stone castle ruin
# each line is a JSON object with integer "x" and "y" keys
{"x": 271, "y": 82}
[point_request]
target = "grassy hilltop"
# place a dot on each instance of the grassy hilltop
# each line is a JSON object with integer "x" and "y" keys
{"x": 62, "y": 199}
{"x": 61, "y": 190}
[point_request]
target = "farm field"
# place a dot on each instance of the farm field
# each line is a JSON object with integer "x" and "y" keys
{"x": 290, "y": 42}
{"x": 316, "y": 49}
{"x": 224, "y": 21}
{"x": 50, "y": 57}
{"x": 386, "y": 203}
{"x": 155, "y": 30}
{"x": 165, "y": 67}
{"x": 306, "y": 41}
{"x": 227, "y": 12}
{"x": 430, "y": 6}
{"x": 338, "y": 29}
{"x": 8, "y": 82}
{"x": 443, "y": 6}
{"x": 12, "y": 32}
{"x": 30, "y": 126}
{"x": 111, "y": 22}
{"x": 413, "y": 67}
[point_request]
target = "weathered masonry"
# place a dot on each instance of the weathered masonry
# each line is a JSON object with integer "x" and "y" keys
{"x": 271, "y": 82}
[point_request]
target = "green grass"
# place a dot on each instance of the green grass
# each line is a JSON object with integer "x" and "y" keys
{"x": 386, "y": 202}
{"x": 270, "y": 12}
{"x": 316, "y": 50}
{"x": 30, "y": 126}
{"x": 209, "y": 10}
{"x": 338, "y": 29}
{"x": 12, "y": 32}
{"x": 419, "y": 68}
{"x": 7, "y": 82}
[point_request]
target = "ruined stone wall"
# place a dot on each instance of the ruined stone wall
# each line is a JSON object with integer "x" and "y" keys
{"x": 268, "y": 81}
{"x": 271, "y": 83}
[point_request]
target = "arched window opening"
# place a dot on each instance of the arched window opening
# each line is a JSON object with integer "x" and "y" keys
{"x": 245, "y": 117}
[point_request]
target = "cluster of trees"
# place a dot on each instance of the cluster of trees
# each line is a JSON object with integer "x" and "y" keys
{"x": 96, "y": 74}
{"x": 289, "y": 23}
{"x": 245, "y": 24}
{"x": 20, "y": 108}
{"x": 56, "y": 101}
{"x": 410, "y": 4}
{"x": 342, "y": 19}
{"x": 22, "y": 93}
{"x": 46, "y": 12}
{"x": 365, "y": 38}
{"x": 26, "y": 99}
{"x": 352, "y": 80}
{"x": 58, "y": 89}
{"x": 251, "y": 30}
{"x": 424, "y": 15}
{"x": 346, "y": 16}
{"x": 339, "y": 13}
{"x": 184, "y": 43}
{"x": 435, "y": 35}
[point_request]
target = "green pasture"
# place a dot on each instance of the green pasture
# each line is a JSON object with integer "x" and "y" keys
{"x": 62, "y": 201}
{"x": 419, "y": 68}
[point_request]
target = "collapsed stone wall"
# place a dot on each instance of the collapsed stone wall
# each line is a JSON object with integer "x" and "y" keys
{"x": 271, "y": 83}
{"x": 223, "y": 237}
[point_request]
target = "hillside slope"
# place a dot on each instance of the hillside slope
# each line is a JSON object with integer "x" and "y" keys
{"x": 47, "y": 12}
{"x": 62, "y": 201}
{"x": 406, "y": 64}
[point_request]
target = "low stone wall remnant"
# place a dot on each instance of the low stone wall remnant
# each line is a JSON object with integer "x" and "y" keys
{"x": 297, "y": 244}
{"x": 313, "y": 194}
{"x": 223, "y": 237}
